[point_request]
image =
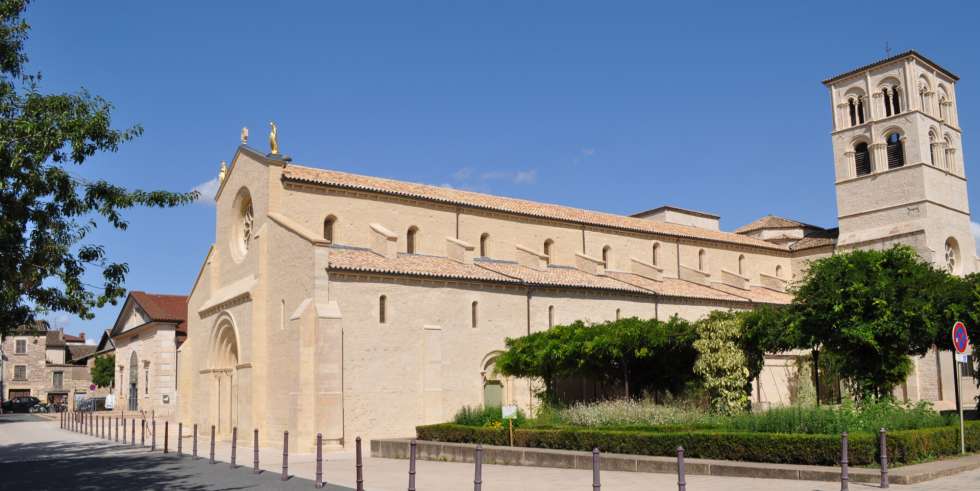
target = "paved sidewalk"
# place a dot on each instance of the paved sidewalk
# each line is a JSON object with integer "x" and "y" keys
{"x": 36, "y": 441}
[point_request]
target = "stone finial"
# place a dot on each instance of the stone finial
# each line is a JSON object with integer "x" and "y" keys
{"x": 222, "y": 172}
{"x": 273, "y": 139}
{"x": 244, "y": 135}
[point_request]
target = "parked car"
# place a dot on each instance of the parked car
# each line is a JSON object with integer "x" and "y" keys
{"x": 20, "y": 404}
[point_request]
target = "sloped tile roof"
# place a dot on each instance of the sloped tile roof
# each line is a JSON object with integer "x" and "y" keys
{"x": 771, "y": 221}
{"x": 674, "y": 287}
{"x": 162, "y": 307}
{"x": 365, "y": 260}
{"x": 558, "y": 276}
{"x": 812, "y": 242}
{"x": 345, "y": 180}
{"x": 54, "y": 339}
{"x": 889, "y": 60}
{"x": 77, "y": 351}
{"x": 756, "y": 294}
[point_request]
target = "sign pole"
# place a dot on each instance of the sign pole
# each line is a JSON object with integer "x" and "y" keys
{"x": 959, "y": 405}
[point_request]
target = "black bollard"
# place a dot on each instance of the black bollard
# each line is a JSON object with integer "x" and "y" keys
{"x": 883, "y": 444}
{"x": 180, "y": 438}
{"x": 133, "y": 431}
{"x": 255, "y": 451}
{"x": 595, "y": 470}
{"x": 195, "y": 441}
{"x": 124, "y": 431}
{"x": 285, "y": 455}
{"x": 153, "y": 434}
{"x": 234, "y": 443}
{"x": 411, "y": 467}
{"x": 359, "y": 465}
{"x": 843, "y": 462}
{"x": 117, "y": 430}
{"x": 142, "y": 432}
{"x": 166, "y": 436}
{"x": 319, "y": 461}
{"x": 211, "y": 459}
{"x": 478, "y": 468}
{"x": 681, "y": 480}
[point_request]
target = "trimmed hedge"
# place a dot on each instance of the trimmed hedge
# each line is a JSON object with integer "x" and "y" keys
{"x": 904, "y": 447}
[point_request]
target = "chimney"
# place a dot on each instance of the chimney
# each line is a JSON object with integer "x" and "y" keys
{"x": 459, "y": 251}
{"x": 385, "y": 242}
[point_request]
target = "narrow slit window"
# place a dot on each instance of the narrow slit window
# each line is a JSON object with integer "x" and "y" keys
{"x": 484, "y": 244}
{"x": 547, "y": 250}
{"x": 551, "y": 316}
{"x": 383, "y": 309}
{"x": 473, "y": 314}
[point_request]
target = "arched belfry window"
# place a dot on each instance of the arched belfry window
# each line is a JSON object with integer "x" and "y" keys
{"x": 862, "y": 159}
{"x": 485, "y": 245}
{"x": 896, "y": 105}
{"x": 894, "y": 150}
{"x": 410, "y": 239}
{"x": 548, "y": 246}
{"x": 606, "y": 256}
{"x": 702, "y": 260}
{"x": 860, "y": 110}
{"x": 887, "y": 98}
{"x": 852, "y": 111}
{"x": 328, "y": 224}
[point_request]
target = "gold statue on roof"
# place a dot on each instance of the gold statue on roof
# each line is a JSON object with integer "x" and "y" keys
{"x": 273, "y": 139}
{"x": 222, "y": 172}
{"x": 244, "y": 135}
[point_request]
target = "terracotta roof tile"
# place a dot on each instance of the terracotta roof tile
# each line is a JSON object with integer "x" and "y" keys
{"x": 771, "y": 221}
{"x": 756, "y": 294}
{"x": 511, "y": 205}
{"x": 812, "y": 242}
{"x": 558, "y": 276}
{"x": 674, "y": 287}
{"x": 162, "y": 307}
{"x": 357, "y": 259}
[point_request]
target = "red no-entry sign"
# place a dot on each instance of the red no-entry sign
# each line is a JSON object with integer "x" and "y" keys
{"x": 961, "y": 340}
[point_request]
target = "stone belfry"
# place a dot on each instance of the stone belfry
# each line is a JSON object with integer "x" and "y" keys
{"x": 899, "y": 168}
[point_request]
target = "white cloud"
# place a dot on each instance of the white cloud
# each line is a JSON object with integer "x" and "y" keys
{"x": 206, "y": 191}
{"x": 975, "y": 229}
{"x": 526, "y": 176}
{"x": 517, "y": 177}
{"x": 92, "y": 341}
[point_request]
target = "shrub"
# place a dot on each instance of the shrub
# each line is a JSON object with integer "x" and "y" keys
{"x": 485, "y": 416}
{"x": 629, "y": 413}
{"x": 904, "y": 447}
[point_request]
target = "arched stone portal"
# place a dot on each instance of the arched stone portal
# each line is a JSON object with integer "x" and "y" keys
{"x": 223, "y": 363}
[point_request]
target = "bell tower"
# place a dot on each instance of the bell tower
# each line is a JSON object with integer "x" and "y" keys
{"x": 899, "y": 169}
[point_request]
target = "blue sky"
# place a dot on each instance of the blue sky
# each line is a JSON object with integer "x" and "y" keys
{"x": 619, "y": 107}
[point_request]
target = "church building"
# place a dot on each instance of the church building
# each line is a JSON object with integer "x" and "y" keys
{"x": 351, "y": 305}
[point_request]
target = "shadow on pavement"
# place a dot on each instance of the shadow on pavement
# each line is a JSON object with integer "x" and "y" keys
{"x": 95, "y": 466}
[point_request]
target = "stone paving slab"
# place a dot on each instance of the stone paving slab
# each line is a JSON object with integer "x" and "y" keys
{"x": 398, "y": 448}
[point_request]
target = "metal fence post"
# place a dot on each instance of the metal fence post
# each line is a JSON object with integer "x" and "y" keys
{"x": 142, "y": 432}
{"x": 153, "y": 435}
{"x": 133, "y": 432}
{"x": 595, "y": 470}
{"x": 843, "y": 462}
{"x": 681, "y": 479}
{"x": 478, "y": 470}
{"x": 358, "y": 464}
{"x": 883, "y": 443}
{"x": 411, "y": 467}
{"x": 166, "y": 435}
{"x": 319, "y": 461}
{"x": 117, "y": 430}
{"x": 180, "y": 438}
{"x": 255, "y": 451}
{"x": 234, "y": 443}
{"x": 195, "y": 441}
{"x": 285, "y": 455}
{"x": 211, "y": 459}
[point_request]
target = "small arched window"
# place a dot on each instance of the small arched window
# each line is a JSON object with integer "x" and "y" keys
{"x": 328, "y": 224}
{"x": 896, "y": 106}
{"x": 606, "y": 253}
{"x": 779, "y": 271}
{"x": 484, "y": 245}
{"x": 618, "y": 312}
{"x": 473, "y": 314}
{"x": 410, "y": 239}
{"x": 862, "y": 159}
{"x": 551, "y": 316}
{"x": 886, "y": 96}
{"x": 943, "y": 108}
{"x": 852, "y": 111}
{"x": 702, "y": 260}
{"x": 932, "y": 147}
{"x": 547, "y": 250}
{"x": 741, "y": 264}
{"x": 655, "y": 255}
{"x": 383, "y": 309}
{"x": 894, "y": 150}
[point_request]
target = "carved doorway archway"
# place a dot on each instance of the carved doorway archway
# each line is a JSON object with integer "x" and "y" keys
{"x": 224, "y": 384}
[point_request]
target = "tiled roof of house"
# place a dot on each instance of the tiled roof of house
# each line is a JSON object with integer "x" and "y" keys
{"x": 54, "y": 339}
{"x": 162, "y": 307}
{"x": 511, "y": 205}
{"x": 355, "y": 259}
{"x": 77, "y": 351}
{"x": 69, "y": 338}
{"x": 771, "y": 221}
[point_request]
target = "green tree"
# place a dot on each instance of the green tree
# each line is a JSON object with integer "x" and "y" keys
{"x": 721, "y": 363}
{"x": 104, "y": 371}
{"x": 45, "y": 211}
{"x": 871, "y": 310}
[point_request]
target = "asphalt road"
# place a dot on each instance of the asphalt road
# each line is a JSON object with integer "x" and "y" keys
{"x": 36, "y": 455}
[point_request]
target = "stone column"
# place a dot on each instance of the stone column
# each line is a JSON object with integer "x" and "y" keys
{"x": 879, "y": 157}
{"x": 851, "y": 170}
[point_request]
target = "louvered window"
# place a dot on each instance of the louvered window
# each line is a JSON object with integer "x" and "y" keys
{"x": 896, "y": 155}
{"x": 862, "y": 159}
